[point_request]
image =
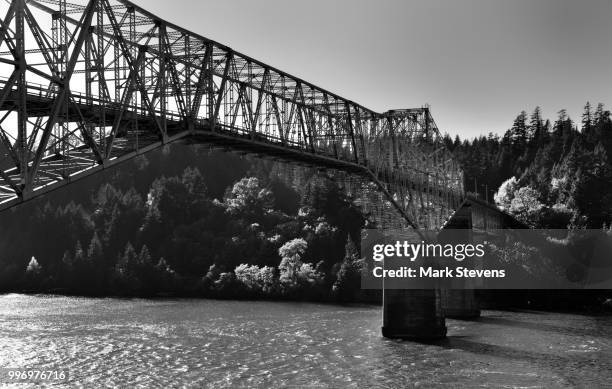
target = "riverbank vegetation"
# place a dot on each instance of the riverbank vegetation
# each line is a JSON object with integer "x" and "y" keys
{"x": 276, "y": 232}
{"x": 547, "y": 174}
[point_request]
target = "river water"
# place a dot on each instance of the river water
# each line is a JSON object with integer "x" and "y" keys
{"x": 208, "y": 343}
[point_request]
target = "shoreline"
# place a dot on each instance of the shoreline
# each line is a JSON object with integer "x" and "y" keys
{"x": 599, "y": 311}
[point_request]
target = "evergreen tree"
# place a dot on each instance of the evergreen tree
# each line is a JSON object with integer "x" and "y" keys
{"x": 97, "y": 276}
{"x": 587, "y": 119}
{"x": 348, "y": 278}
{"x": 95, "y": 253}
{"x": 519, "y": 131}
{"x": 537, "y": 129}
{"x": 599, "y": 114}
{"x": 126, "y": 280}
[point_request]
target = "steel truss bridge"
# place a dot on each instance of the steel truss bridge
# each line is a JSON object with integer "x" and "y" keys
{"x": 88, "y": 84}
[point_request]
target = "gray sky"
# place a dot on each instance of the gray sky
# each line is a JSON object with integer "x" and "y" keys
{"x": 477, "y": 62}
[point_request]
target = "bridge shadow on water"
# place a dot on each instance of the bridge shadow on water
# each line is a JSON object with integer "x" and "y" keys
{"x": 575, "y": 368}
{"x": 472, "y": 351}
{"x": 575, "y": 351}
{"x": 465, "y": 343}
{"x": 538, "y": 344}
{"x": 542, "y": 327}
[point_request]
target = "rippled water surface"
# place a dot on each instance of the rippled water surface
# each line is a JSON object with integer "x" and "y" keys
{"x": 199, "y": 343}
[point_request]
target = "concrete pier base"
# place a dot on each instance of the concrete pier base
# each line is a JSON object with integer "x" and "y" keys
{"x": 460, "y": 304}
{"x": 413, "y": 314}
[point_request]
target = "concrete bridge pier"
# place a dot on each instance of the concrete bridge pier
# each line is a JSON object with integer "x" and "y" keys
{"x": 460, "y": 303}
{"x": 414, "y": 314}
{"x": 459, "y": 299}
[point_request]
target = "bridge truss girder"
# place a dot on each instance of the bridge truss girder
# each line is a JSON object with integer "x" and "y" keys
{"x": 95, "y": 82}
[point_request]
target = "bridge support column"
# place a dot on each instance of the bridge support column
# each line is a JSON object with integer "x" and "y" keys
{"x": 413, "y": 314}
{"x": 460, "y": 303}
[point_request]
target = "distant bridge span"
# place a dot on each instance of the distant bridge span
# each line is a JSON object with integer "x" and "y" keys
{"x": 90, "y": 83}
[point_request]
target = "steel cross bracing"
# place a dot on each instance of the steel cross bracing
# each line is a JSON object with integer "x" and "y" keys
{"x": 90, "y": 83}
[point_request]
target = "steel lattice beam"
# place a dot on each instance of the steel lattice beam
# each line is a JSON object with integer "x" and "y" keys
{"x": 112, "y": 80}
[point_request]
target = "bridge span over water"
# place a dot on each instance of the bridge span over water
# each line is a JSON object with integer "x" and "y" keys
{"x": 88, "y": 84}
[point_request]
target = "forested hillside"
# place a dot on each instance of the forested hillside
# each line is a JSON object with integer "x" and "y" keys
{"x": 224, "y": 226}
{"x": 548, "y": 174}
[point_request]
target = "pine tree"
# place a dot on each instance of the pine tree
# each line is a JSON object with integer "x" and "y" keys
{"x": 519, "y": 131}
{"x": 587, "y": 119}
{"x": 146, "y": 271}
{"x": 348, "y": 279}
{"x": 95, "y": 253}
{"x": 456, "y": 142}
{"x": 126, "y": 277}
{"x": 536, "y": 126}
{"x": 97, "y": 272}
{"x": 79, "y": 255}
{"x": 535, "y": 136}
{"x": 599, "y": 114}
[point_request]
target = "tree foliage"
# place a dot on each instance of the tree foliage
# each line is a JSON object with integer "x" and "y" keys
{"x": 175, "y": 235}
{"x": 562, "y": 171}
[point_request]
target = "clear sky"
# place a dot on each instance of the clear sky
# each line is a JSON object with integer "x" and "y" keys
{"x": 478, "y": 63}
